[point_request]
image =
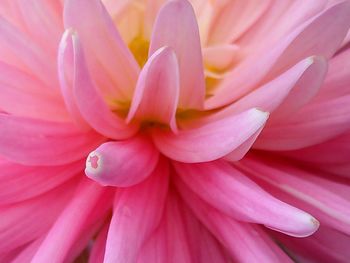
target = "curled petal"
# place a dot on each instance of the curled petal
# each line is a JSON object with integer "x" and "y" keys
{"x": 211, "y": 140}
{"x": 234, "y": 194}
{"x": 176, "y": 27}
{"x": 122, "y": 163}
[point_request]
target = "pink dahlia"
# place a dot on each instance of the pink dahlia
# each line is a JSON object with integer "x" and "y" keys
{"x": 174, "y": 131}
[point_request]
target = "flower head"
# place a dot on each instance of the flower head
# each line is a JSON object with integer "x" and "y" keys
{"x": 174, "y": 131}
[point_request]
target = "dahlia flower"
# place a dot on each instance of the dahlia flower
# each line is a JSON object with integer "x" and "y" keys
{"x": 143, "y": 131}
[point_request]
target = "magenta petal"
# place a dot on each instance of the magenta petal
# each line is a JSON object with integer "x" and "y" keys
{"x": 136, "y": 214}
{"x": 234, "y": 194}
{"x": 89, "y": 205}
{"x": 122, "y": 163}
{"x": 211, "y": 140}
{"x": 176, "y": 27}
{"x": 157, "y": 90}
{"x": 35, "y": 142}
{"x": 91, "y": 104}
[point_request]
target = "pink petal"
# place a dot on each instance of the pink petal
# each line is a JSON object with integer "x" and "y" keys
{"x": 19, "y": 182}
{"x": 233, "y": 18}
{"x": 285, "y": 94}
{"x": 19, "y": 222}
{"x": 326, "y": 245}
{"x": 21, "y": 51}
{"x": 34, "y": 99}
{"x": 91, "y": 104}
{"x": 98, "y": 249}
{"x": 176, "y": 27}
{"x": 220, "y": 56}
{"x": 253, "y": 246}
{"x": 88, "y": 205}
{"x": 28, "y": 252}
{"x": 325, "y": 199}
{"x": 311, "y": 125}
{"x": 211, "y": 140}
{"x": 65, "y": 62}
{"x": 122, "y": 163}
{"x": 35, "y": 142}
{"x": 157, "y": 90}
{"x": 107, "y": 55}
{"x": 301, "y": 43}
{"x": 218, "y": 183}
{"x": 136, "y": 214}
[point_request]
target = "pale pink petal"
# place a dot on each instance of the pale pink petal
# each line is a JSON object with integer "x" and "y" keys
{"x": 19, "y": 50}
{"x": 33, "y": 99}
{"x": 36, "y": 142}
{"x": 89, "y": 205}
{"x": 122, "y": 163}
{"x": 212, "y": 140}
{"x": 108, "y": 56}
{"x": 136, "y": 214}
{"x": 65, "y": 62}
{"x": 19, "y": 182}
{"x": 43, "y": 22}
{"x": 232, "y": 193}
{"x": 176, "y": 27}
{"x": 157, "y": 90}
{"x": 220, "y": 56}
{"x": 253, "y": 246}
{"x": 314, "y": 124}
{"x": 327, "y": 200}
{"x": 19, "y": 222}
{"x": 91, "y": 104}
{"x": 232, "y": 18}
{"x": 286, "y": 93}
{"x": 301, "y": 43}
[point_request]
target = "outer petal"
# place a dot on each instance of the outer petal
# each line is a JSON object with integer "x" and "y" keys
{"x": 19, "y": 222}
{"x": 36, "y": 142}
{"x": 157, "y": 90}
{"x": 91, "y": 104}
{"x": 232, "y": 193}
{"x": 328, "y": 200}
{"x": 89, "y": 205}
{"x": 253, "y": 246}
{"x": 212, "y": 140}
{"x": 24, "y": 95}
{"x": 311, "y": 125}
{"x": 122, "y": 163}
{"x": 105, "y": 46}
{"x": 301, "y": 43}
{"x": 19, "y": 182}
{"x": 176, "y": 27}
{"x": 136, "y": 214}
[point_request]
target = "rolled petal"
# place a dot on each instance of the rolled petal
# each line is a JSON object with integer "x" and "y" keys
{"x": 301, "y": 43}
{"x": 104, "y": 48}
{"x": 122, "y": 163}
{"x": 157, "y": 90}
{"x": 235, "y": 195}
{"x": 254, "y": 245}
{"x": 176, "y": 27}
{"x": 136, "y": 214}
{"x": 91, "y": 104}
{"x": 211, "y": 140}
{"x": 35, "y": 142}
{"x": 329, "y": 201}
{"x": 89, "y": 205}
